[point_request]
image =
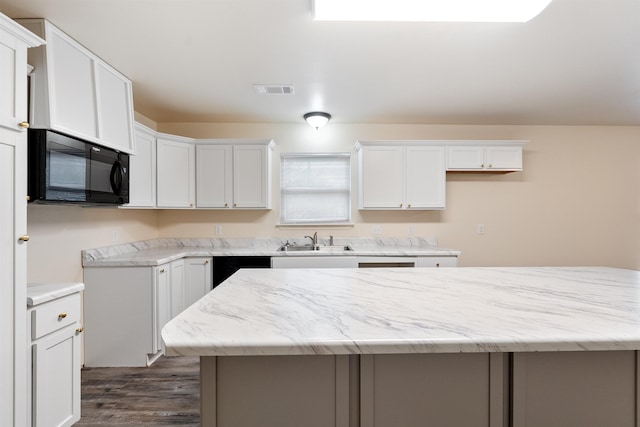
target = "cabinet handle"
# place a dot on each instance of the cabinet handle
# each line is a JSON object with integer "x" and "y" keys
{"x": 226, "y": 205}
{"x": 235, "y": 205}
{"x": 401, "y": 204}
{"x": 79, "y": 330}
{"x": 62, "y": 316}
{"x": 409, "y": 205}
{"x": 24, "y": 125}
{"x": 162, "y": 270}
{"x": 482, "y": 165}
{"x": 206, "y": 262}
{"x": 437, "y": 264}
{"x": 489, "y": 165}
{"x": 24, "y": 238}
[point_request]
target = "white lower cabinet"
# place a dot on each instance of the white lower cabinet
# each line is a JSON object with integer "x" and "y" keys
{"x": 314, "y": 262}
{"x": 125, "y": 309}
{"x": 437, "y": 261}
{"x": 177, "y": 286}
{"x": 199, "y": 278}
{"x": 55, "y": 361}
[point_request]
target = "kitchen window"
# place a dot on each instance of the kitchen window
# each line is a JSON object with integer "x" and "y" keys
{"x": 315, "y": 188}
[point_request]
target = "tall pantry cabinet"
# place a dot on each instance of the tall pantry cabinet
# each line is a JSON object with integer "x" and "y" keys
{"x": 14, "y": 41}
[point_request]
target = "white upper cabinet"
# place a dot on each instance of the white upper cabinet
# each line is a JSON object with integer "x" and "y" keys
{"x": 214, "y": 186}
{"x": 495, "y": 157}
{"x": 176, "y": 171}
{"x": 234, "y": 174}
{"x": 77, "y": 93}
{"x": 401, "y": 175}
{"x": 252, "y": 176}
{"x": 142, "y": 174}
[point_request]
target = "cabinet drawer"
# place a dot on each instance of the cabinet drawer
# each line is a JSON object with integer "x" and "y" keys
{"x": 53, "y": 315}
{"x": 437, "y": 261}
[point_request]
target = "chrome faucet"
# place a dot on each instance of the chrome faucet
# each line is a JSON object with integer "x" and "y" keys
{"x": 314, "y": 239}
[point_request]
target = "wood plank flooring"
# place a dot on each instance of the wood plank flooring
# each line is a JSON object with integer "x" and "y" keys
{"x": 166, "y": 393}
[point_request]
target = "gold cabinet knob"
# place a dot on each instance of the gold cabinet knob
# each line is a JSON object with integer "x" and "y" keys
{"x": 62, "y": 316}
{"x": 206, "y": 262}
{"x": 235, "y": 205}
{"x": 226, "y": 205}
{"x": 482, "y": 165}
{"x": 24, "y": 238}
{"x": 401, "y": 204}
{"x": 437, "y": 264}
{"x": 490, "y": 165}
{"x": 24, "y": 125}
{"x": 409, "y": 205}
{"x": 162, "y": 270}
{"x": 79, "y": 330}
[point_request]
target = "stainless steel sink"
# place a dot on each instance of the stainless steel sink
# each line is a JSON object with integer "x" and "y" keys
{"x": 309, "y": 248}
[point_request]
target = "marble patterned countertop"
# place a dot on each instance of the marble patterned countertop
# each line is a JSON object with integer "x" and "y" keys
{"x": 412, "y": 310}
{"x": 39, "y": 293}
{"x": 160, "y": 251}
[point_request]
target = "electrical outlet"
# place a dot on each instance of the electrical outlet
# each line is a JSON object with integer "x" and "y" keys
{"x": 218, "y": 229}
{"x": 114, "y": 236}
{"x": 480, "y": 229}
{"x": 376, "y": 230}
{"x": 410, "y": 230}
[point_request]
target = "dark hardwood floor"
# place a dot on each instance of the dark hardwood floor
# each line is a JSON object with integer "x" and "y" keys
{"x": 166, "y": 393}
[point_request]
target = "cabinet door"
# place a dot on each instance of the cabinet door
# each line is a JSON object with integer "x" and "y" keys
{"x": 251, "y": 172}
{"x": 162, "y": 308}
{"x": 72, "y": 98}
{"x": 177, "y": 287}
{"x": 504, "y": 158}
{"x": 425, "y": 178}
{"x": 465, "y": 158}
{"x": 114, "y": 108}
{"x": 142, "y": 173}
{"x": 382, "y": 177}
{"x": 13, "y": 223}
{"x": 214, "y": 177}
{"x": 56, "y": 379}
{"x": 198, "y": 279}
{"x": 13, "y": 74}
{"x": 176, "y": 174}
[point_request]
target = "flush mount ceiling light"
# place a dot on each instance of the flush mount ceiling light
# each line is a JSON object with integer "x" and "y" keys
{"x": 428, "y": 10}
{"x": 317, "y": 119}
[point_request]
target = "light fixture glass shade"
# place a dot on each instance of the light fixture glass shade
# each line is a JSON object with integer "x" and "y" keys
{"x": 428, "y": 10}
{"x": 317, "y": 119}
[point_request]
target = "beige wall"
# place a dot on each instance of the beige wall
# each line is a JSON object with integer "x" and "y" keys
{"x": 576, "y": 203}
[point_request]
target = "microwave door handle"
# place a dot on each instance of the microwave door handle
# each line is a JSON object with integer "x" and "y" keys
{"x": 117, "y": 177}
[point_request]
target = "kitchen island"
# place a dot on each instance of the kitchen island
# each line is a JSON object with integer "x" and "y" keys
{"x": 405, "y": 347}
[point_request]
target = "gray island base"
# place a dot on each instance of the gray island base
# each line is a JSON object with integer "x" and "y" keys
{"x": 416, "y": 347}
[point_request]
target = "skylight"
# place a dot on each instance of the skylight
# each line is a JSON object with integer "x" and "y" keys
{"x": 428, "y": 10}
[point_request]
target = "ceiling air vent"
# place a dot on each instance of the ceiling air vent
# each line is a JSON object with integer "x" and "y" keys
{"x": 274, "y": 89}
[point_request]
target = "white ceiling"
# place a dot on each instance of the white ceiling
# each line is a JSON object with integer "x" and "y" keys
{"x": 578, "y": 62}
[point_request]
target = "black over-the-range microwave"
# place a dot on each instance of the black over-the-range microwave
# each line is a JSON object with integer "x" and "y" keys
{"x": 63, "y": 169}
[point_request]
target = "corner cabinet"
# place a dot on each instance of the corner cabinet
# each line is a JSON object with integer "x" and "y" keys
{"x": 479, "y": 156}
{"x": 233, "y": 174}
{"x": 125, "y": 308}
{"x": 142, "y": 174}
{"x": 176, "y": 171}
{"x": 77, "y": 93}
{"x": 395, "y": 175}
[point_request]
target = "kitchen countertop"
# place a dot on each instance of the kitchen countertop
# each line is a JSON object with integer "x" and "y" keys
{"x": 412, "y": 310}
{"x": 39, "y": 293}
{"x": 160, "y": 251}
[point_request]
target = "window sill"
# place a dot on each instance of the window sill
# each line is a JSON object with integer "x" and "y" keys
{"x": 319, "y": 225}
